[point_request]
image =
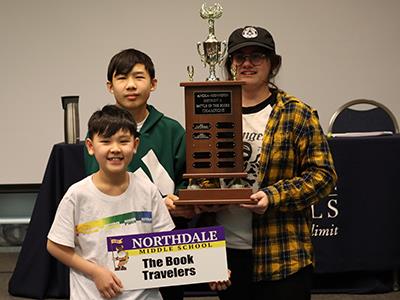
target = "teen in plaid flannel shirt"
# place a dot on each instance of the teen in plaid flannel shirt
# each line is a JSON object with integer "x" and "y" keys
{"x": 294, "y": 170}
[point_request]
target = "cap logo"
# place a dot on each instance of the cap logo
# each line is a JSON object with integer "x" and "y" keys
{"x": 249, "y": 32}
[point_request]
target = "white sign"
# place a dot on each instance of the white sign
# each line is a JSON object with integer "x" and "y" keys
{"x": 176, "y": 257}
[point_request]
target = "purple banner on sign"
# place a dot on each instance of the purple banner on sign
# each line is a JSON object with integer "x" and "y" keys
{"x": 167, "y": 238}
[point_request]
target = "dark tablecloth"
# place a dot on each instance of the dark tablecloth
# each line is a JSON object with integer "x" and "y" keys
{"x": 37, "y": 274}
{"x": 356, "y": 229}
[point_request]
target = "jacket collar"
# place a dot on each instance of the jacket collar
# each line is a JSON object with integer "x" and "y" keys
{"x": 152, "y": 119}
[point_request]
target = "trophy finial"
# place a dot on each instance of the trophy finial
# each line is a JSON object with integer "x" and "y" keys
{"x": 211, "y": 12}
{"x": 233, "y": 71}
{"x": 190, "y": 70}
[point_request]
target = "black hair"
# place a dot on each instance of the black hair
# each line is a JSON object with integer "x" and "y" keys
{"x": 275, "y": 59}
{"x": 109, "y": 120}
{"x": 123, "y": 62}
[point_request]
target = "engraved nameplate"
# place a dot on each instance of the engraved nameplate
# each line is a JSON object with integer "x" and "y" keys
{"x": 224, "y": 125}
{"x": 201, "y": 136}
{"x": 225, "y": 135}
{"x": 202, "y": 165}
{"x": 225, "y": 145}
{"x": 226, "y": 164}
{"x": 212, "y": 102}
{"x": 201, "y": 155}
{"x": 201, "y": 126}
{"x": 226, "y": 154}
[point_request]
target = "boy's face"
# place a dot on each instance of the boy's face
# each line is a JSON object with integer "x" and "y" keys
{"x": 113, "y": 153}
{"x": 132, "y": 90}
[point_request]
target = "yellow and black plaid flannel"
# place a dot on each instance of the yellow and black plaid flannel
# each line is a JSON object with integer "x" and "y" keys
{"x": 296, "y": 170}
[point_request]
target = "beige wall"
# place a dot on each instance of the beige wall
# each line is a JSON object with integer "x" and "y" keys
{"x": 333, "y": 51}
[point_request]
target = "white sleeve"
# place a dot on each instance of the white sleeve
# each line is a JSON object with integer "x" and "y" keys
{"x": 63, "y": 229}
{"x": 162, "y": 220}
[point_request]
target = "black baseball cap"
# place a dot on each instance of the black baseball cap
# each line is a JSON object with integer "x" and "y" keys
{"x": 250, "y": 36}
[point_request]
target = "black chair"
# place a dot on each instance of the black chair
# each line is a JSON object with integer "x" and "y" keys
{"x": 377, "y": 118}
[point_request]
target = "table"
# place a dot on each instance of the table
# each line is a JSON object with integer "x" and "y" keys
{"x": 362, "y": 245}
{"x": 356, "y": 229}
{"x": 37, "y": 274}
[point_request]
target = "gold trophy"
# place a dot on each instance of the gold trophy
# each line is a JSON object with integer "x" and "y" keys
{"x": 213, "y": 117}
{"x": 211, "y": 51}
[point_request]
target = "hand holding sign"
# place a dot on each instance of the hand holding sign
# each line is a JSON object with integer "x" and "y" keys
{"x": 221, "y": 285}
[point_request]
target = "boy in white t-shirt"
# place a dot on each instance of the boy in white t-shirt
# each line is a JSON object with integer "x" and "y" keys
{"x": 104, "y": 204}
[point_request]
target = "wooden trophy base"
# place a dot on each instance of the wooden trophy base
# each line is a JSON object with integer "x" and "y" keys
{"x": 214, "y": 196}
{"x": 214, "y": 145}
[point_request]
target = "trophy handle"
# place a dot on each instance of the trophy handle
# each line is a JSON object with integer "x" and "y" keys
{"x": 223, "y": 51}
{"x": 202, "y": 55}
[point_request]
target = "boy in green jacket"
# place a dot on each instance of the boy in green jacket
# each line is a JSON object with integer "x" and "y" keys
{"x": 161, "y": 152}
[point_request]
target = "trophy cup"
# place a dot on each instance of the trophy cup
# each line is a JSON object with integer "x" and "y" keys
{"x": 213, "y": 117}
{"x": 213, "y": 50}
